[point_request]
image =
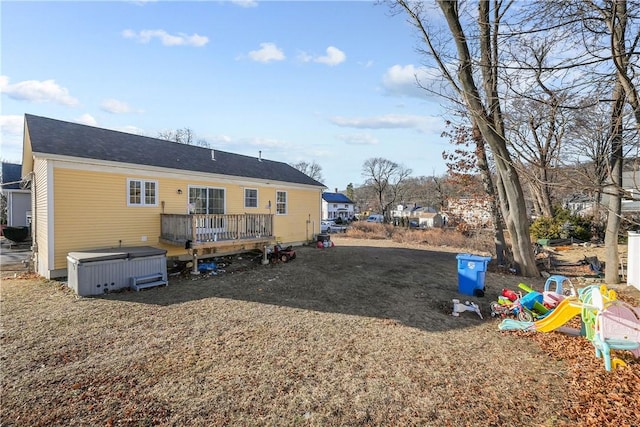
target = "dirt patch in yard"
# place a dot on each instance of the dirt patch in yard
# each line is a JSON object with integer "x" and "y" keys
{"x": 357, "y": 334}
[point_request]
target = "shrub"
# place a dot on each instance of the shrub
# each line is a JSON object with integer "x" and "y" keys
{"x": 563, "y": 225}
{"x": 545, "y": 228}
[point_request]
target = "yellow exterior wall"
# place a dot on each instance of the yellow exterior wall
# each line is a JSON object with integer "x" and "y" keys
{"x": 90, "y": 209}
{"x": 302, "y": 220}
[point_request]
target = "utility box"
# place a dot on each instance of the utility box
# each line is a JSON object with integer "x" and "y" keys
{"x": 98, "y": 271}
{"x": 471, "y": 272}
{"x": 633, "y": 259}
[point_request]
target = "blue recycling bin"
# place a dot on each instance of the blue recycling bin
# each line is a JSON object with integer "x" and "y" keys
{"x": 471, "y": 271}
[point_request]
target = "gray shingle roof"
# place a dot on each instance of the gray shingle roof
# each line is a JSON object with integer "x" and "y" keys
{"x": 11, "y": 176}
{"x": 50, "y": 136}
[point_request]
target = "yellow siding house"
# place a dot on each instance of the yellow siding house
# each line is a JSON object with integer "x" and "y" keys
{"x": 97, "y": 188}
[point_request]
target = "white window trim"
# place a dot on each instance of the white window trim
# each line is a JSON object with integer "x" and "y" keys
{"x": 257, "y": 198}
{"x": 286, "y": 203}
{"x": 208, "y": 187}
{"x": 142, "y": 193}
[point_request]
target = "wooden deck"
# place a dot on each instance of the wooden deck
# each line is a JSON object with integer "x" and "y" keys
{"x": 217, "y": 233}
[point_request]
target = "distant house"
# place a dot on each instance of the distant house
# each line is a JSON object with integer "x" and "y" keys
{"x": 631, "y": 186}
{"x": 475, "y": 211}
{"x": 583, "y": 205}
{"x": 337, "y": 205}
{"x": 580, "y": 204}
{"x": 402, "y": 211}
{"x": 18, "y": 199}
{"x": 98, "y": 188}
{"x": 426, "y": 217}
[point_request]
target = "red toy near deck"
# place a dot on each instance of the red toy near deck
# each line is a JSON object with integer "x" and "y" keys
{"x": 280, "y": 254}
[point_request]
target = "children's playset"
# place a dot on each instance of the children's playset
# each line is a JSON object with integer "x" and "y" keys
{"x": 607, "y": 322}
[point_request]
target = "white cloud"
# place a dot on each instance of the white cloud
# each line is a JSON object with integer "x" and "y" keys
{"x": 181, "y": 39}
{"x": 117, "y": 107}
{"x": 403, "y": 80}
{"x": 132, "y": 129}
{"x": 390, "y": 121}
{"x": 219, "y": 139}
{"x": 267, "y": 143}
{"x": 12, "y": 124}
{"x": 37, "y": 91}
{"x": 268, "y": 52}
{"x": 358, "y": 139}
{"x": 11, "y": 127}
{"x": 86, "y": 119}
{"x": 333, "y": 57}
{"x": 250, "y": 146}
{"x": 245, "y": 3}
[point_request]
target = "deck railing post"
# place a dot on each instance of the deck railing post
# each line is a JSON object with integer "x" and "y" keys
{"x": 200, "y": 228}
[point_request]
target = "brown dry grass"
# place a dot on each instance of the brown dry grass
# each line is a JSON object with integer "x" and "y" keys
{"x": 359, "y": 334}
{"x": 478, "y": 243}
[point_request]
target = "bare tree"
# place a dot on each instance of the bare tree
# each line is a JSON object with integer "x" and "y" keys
{"x": 475, "y": 81}
{"x": 538, "y": 107}
{"x": 586, "y": 153}
{"x": 429, "y": 191}
{"x": 183, "y": 136}
{"x": 312, "y": 169}
{"x": 388, "y": 180}
{"x": 611, "y": 33}
{"x": 466, "y": 163}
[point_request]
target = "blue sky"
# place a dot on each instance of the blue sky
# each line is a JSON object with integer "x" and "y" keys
{"x": 330, "y": 82}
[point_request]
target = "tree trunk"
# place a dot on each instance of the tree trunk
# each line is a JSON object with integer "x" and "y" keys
{"x": 618, "y": 27}
{"x": 612, "y": 261}
{"x": 503, "y": 254}
{"x": 492, "y": 129}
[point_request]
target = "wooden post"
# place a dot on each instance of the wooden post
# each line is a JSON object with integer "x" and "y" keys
{"x": 194, "y": 269}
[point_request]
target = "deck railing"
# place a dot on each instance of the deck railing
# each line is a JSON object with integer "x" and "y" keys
{"x": 200, "y": 228}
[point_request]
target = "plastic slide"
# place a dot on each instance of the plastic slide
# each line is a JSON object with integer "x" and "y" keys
{"x": 565, "y": 311}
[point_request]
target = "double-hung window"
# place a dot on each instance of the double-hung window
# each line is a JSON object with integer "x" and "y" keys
{"x": 142, "y": 192}
{"x": 250, "y": 198}
{"x": 281, "y": 202}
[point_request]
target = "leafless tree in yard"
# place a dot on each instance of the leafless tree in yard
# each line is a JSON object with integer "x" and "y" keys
{"x": 536, "y": 118}
{"x": 610, "y": 31}
{"x": 469, "y": 160}
{"x": 474, "y": 80}
{"x": 388, "y": 180}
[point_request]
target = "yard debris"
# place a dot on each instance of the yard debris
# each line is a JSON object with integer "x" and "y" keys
{"x": 459, "y": 307}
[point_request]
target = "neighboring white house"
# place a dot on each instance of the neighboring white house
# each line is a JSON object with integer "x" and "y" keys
{"x": 631, "y": 186}
{"x": 583, "y": 205}
{"x": 18, "y": 200}
{"x": 427, "y": 218}
{"x": 402, "y": 211}
{"x": 337, "y": 205}
{"x": 580, "y": 204}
